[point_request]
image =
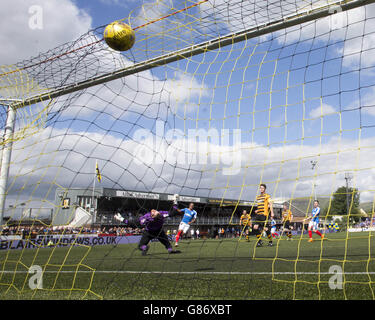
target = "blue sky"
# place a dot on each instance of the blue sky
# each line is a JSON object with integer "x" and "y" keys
{"x": 309, "y": 61}
{"x": 104, "y": 12}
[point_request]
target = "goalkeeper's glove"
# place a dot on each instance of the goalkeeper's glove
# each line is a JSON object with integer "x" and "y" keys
{"x": 175, "y": 199}
{"x": 118, "y": 217}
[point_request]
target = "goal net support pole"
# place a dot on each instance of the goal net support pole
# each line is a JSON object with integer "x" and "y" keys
{"x": 6, "y": 153}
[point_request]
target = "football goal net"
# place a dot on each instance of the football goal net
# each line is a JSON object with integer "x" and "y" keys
{"x": 215, "y": 99}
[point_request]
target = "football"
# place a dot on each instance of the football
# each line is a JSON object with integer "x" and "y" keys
{"x": 119, "y": 36}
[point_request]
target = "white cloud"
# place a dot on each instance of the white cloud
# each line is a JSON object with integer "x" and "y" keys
{"x": 353, "y": 30}
{"x": 237, "y": 15}
{"x": 62, "y": 157}
{"x": 329, "y": 28}
{"x": 150, "y": 12}
{"x": 141, "y": 93}
{"x": 62, "y": 21}
{"x": 367, "y": 102}
{"x": 322, "y": 110}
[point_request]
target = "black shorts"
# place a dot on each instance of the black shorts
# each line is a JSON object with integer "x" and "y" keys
{"x": 286, "y": 224}
{"x": 148, "y": 236}
{"x": 261, "y": 220}
{"x": 245, "y": 228}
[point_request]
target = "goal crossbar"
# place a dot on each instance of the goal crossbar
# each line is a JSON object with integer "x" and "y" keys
{"x": 292, "y": 20}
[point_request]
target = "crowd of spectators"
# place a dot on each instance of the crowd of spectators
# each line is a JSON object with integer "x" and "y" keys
{"x": 120, "y": 231}
{"x": 365, "y": 224}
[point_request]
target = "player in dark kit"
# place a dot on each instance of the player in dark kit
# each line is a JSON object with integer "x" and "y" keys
{"x": 245, "y": 224}
{"x": 287, "y": 217}
{"x": 153, "y": 222}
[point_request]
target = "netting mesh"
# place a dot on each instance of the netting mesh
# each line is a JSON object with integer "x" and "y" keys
{"x": 215, "y": 124}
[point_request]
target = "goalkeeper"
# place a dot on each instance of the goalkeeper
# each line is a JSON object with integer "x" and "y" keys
{"x": 153, "y": 222}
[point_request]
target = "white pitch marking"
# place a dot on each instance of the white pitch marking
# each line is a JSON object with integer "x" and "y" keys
{"x": 192, "y": 272}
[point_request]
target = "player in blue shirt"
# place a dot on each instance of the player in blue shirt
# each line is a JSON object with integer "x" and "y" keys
{"x": 314, "y": 221}
{"x": 273, "y": 228}
{"x": 190, "y": 215}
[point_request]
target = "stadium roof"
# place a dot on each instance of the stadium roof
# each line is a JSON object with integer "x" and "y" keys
{"x": 109, "y": 192}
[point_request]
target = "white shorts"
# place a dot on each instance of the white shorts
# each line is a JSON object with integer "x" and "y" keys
{"x": 184, "y": 227}
{"x": 273, "y": 230}
{"x": 313, "y": 225}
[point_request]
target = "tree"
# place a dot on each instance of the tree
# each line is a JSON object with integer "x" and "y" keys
{"x": 341, "y": 199}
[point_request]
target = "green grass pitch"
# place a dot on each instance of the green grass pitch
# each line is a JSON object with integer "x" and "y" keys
{"x": 205, "y": 269}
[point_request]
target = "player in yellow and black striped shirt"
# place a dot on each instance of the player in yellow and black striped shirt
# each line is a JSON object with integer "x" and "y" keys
{"x": 287, "y": 217}
{"x": 261, "y": 222}
{"x": 245, "y": 224}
